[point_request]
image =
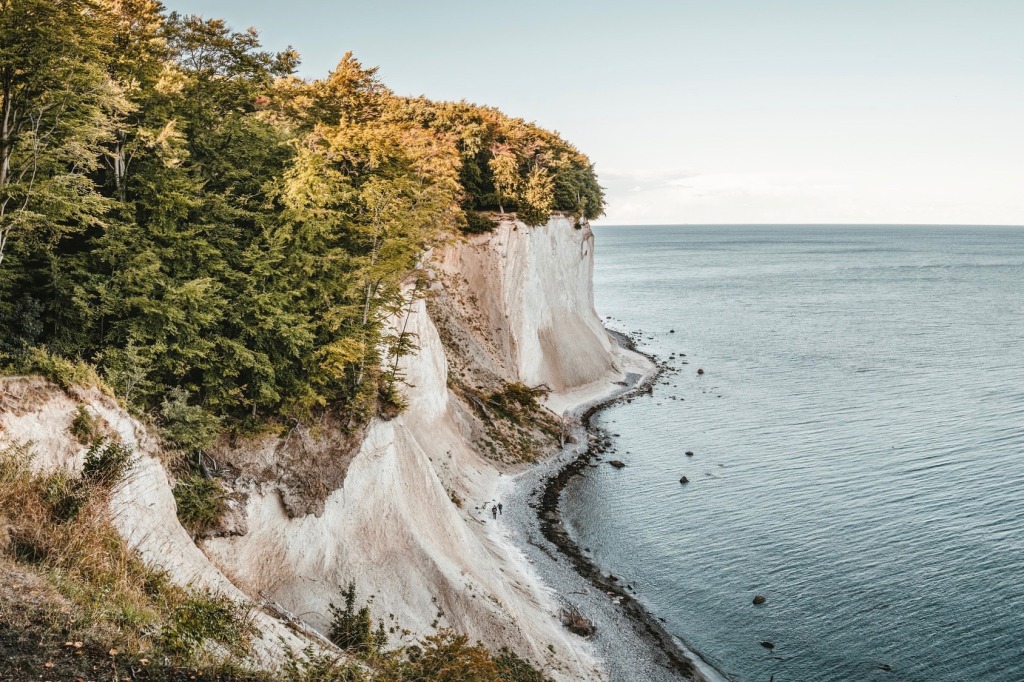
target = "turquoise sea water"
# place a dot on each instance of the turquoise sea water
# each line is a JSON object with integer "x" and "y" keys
{"x": 859, "y": 440}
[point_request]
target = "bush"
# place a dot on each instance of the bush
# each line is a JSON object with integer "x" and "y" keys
{"x": 205, "y": 616}
{"x": 61, "y": 371}
{"x": 84, "y": 427}
{"x": 478, "y": 223}
{"x": 107, "y": 462}
{"x": 353, "y": 630}
{"x": 515, "y": 400}
{"x": 201, "y": 503}
{"x": 449, "y": 657}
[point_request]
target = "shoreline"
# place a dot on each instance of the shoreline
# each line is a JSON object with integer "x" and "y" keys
{"x": 622, "y": 621}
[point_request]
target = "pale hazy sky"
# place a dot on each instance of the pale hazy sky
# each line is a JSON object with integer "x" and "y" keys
{"x": 717, "y": 111}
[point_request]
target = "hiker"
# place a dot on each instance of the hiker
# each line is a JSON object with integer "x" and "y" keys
{"x": 494, "y": 512}
{"x": 499, "y": 507}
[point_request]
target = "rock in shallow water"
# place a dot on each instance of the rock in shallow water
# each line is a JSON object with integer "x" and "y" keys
{"x": 760, "y": 599}
{"x": 684, "y": 479}
{"x": 618, "y": 464}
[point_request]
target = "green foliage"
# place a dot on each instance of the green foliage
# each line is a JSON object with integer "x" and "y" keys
{"x": 107, "y": 462}
{"x": 352, "y": 630}
{"x": 64, "y": 372}
{"x": 201, "y": 503}
{"x": 57, "y": 104}
{"x": 225, "y": 242}
{"x": 516, "y": 401}
{"x": 478, "y": 223}
{"x": 449, "y": 657}
{"x": 207, "y": 617}
{"x": 188, "y": 427}
{"x": 84, "y": 427}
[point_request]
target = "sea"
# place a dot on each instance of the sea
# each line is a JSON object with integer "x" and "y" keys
{"x": 858, "y": 448}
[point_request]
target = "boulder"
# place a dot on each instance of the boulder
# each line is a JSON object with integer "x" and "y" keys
{"x": 618, "y": 464}
{"x": 759, "y": 599}
{"x": 684, "y": 479}
{"x": 700, "y": 371}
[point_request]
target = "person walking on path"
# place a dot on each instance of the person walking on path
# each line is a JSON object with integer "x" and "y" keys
{"x": 494, "y": 512}
{"x": 499, "y": 507}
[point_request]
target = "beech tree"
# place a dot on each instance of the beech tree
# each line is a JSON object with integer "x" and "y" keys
{"x": 216, "y": 234}
{"x": 57, "y": 104}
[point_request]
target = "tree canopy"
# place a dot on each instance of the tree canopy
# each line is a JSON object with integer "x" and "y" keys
{"x": 178, "y": 208}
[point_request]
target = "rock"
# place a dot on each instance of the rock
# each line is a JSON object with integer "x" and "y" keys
{"x": 700, "y": 371}
{"x": 684, "y": 479}
{"x": 618, "y": 464}
{"x": 689, "y": 453}
{"x": 884, "y": 666}
{"x": 759, "y": 599}
{"x": 767, "y": 645}
{"x": 614, "y": 578}
{"x": 575, "y": 622}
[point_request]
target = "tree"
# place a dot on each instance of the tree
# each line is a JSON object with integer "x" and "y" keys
{"x": 505, "y": 172}
{"x": 57, "y": 104}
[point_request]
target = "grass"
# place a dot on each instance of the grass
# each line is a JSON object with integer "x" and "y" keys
{"x": 58, "y": 529}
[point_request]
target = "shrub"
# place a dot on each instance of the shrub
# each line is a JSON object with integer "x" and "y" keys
{"x": 516, "y": 399}
{"x": 201, "y": 503}
{"x": 84, "y": 427}
{"x": 203, "y": 617}
{"x": 478, "y": 223}
{"x": 107, "y": 462}
{"x": 353, "y": 630}
{"x": 61, "y": 371}
{"x": 449, "y": 657}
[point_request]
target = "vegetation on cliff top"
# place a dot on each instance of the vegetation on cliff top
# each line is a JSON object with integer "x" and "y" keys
{"x": 180, "y": 210}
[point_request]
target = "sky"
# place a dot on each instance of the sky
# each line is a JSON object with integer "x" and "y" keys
{"x": 717, "y": 111}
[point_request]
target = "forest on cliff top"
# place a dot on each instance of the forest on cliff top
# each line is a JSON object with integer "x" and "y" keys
{"x": 221, "y": 240}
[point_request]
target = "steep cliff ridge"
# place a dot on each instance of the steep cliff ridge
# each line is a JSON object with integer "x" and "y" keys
{"x": 410, "y": 523}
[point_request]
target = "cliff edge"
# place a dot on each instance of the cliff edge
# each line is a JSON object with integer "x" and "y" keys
{"x": 411, "y": 520}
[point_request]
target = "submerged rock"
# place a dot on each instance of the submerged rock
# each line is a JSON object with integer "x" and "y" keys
{"x": 884, "y": 666}
{"x": 759, "y": 599}
{"x": 768, "y": 645}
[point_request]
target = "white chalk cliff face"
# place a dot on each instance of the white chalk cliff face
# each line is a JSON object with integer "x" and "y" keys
{"x": 525, "y": 302}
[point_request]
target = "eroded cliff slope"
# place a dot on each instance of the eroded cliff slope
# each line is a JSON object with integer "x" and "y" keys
{"x": 410, "y": 522}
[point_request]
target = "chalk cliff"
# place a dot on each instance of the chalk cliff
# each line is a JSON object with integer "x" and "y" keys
{"x": 410, "y": 521}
